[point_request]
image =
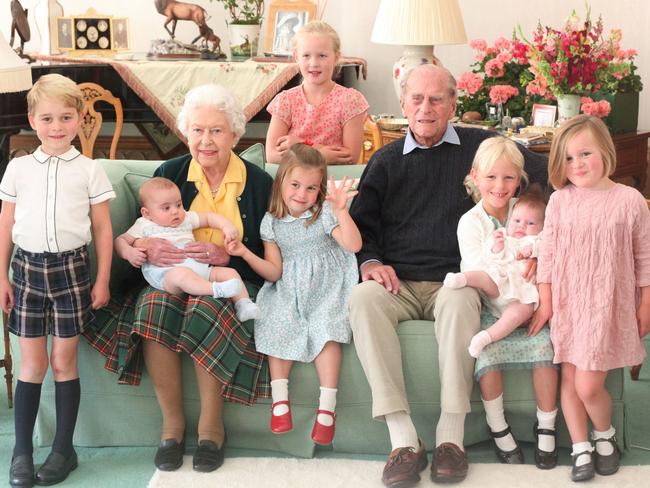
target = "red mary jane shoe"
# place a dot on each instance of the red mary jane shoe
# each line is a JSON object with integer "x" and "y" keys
{"x": 281, "y": 423}
{"x": 323, "y": 434}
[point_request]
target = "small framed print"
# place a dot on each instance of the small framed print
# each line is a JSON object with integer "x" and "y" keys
{"x": 120, "y": 30}
{"x": 64, "y": 37}
{"x": 285, "y": 19}
{"x": 543, "y": 115}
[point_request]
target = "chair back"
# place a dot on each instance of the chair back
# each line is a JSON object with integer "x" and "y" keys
{"x": 376, "y": 139}
{"x": 92, "y": 119}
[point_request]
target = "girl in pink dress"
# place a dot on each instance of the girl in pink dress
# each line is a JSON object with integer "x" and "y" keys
{"x": 594, "y": 284}
{"x": 319, "y": 112}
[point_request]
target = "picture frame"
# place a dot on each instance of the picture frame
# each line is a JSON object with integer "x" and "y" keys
{"x": 64, "y": 35}
{"x": 284, "y": 20}
{"x": 121, "y": 39}
{"x": 543, "y": 115}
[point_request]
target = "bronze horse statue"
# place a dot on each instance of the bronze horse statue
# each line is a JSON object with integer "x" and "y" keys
{"x": 175, "y": 11}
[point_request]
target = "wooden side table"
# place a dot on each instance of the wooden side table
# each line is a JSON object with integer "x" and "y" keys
{"x": 631, "y": 156}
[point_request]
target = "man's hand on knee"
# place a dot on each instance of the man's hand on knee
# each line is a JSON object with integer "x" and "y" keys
{"x": 381, "y": 273}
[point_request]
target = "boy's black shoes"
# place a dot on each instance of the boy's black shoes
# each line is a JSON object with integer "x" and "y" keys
{"x": 21, "y": 472}
{"x": 56, "y": 468}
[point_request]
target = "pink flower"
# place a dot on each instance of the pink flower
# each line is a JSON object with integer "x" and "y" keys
{"x": 469, "y": 82}
{"x": 478, "y": 44}
{"x": 502, "y": 44}
{"x": 502, "y": 93}
{"x": 599, "y": 109}
{"x": 494, "y": 68}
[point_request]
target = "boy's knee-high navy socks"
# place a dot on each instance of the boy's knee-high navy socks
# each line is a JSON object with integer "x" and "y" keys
{"x": 26, "y": 400}
{"x": 67, "y": 395}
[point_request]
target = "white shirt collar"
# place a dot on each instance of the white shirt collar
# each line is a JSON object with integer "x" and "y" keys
{"x": 43, "y": 157}
{"x": 290, "y": 218}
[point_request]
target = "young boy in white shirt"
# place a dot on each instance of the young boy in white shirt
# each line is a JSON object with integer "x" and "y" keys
{"x": 52, "y": 201}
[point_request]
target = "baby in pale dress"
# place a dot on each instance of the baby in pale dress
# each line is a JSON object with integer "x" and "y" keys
{"x": 163, "y": 216}
{"x": 511, "y": 297}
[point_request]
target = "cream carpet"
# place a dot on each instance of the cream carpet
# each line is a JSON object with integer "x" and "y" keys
{"x": 267, "y": 472}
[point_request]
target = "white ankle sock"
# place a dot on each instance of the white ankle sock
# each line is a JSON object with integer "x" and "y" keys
{"x": 402, "y": 431}
{"x": 246, "y": 310}
{"x": 582, "y": 447}
{"x": 280, "y": 392}
{"x": 451, "y": 428}
{"x": 546, "y": 420}
{"x": 604, "y": 448}
{"x": 496, "y": 420}
{"x": 478, "y": 342}
{"x": 327, "y": 401}
{"x": 226, "y": 289}
{"x": 455, "y": 280}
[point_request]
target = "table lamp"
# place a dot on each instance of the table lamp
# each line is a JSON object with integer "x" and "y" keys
{"x": 418, "y": 25}
{"x": 15, "y": 74}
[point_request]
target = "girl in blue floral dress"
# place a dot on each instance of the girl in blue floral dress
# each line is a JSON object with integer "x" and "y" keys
{"x": 310, "y": 269}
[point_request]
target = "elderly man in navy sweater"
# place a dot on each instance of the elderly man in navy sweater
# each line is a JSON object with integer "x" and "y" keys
{"x": 410, "y": 199}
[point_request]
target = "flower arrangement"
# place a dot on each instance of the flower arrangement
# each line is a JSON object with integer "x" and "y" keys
{"x": 580, "y": 59}
{"x": 244, "y": 11}
{"x": 499, "y": 77}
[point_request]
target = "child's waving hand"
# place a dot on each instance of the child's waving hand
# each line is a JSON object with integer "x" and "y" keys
{"x": 338, "y": 196}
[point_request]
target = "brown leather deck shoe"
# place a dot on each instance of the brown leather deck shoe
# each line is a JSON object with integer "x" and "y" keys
{"x": 449, "y": 464}
{"x": 403, "y": 466}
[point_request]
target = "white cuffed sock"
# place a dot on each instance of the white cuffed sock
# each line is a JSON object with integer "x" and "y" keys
{"x": 327, "y": 401}
{"x": 246, "y": 310}
{"x": 584, "y": 447}
{"x": 455, "y": 280}
{"x": 451, "y": 428}
{"x": 402, "y": 431}
{"x": 280, "y": 392}
{"x": 546, "y": 420}
{"x": 478, "y": 342}
{"x": 604, "y": 448}
{"x": 496, "y": 420}
{"x": 226, "y": 289}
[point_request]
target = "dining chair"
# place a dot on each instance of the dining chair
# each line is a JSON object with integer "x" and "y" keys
{"x": 92, "y": 119}
{"x": 375, "y": 141}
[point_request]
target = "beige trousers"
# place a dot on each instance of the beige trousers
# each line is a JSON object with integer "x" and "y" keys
{"x": 374, "y": 315}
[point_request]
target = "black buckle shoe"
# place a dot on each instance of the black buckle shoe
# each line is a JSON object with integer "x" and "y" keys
{"x": 21, "y": 472}
{"x": 207, "y": 457}
{"x": 606, "y": 465}
{"x": 516, "y": 456}
{"x": 544, "y": 459}
{"x": 56, "y": 468}
{"x": 584, "y": 472}
{"x": 169, "y": 456}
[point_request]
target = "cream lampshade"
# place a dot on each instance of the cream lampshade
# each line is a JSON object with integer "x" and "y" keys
{"x": 15, "y": 74}
{"x": 418, "y": 25}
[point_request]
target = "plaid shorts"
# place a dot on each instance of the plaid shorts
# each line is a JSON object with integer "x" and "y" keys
{"x": 51, "y": 293}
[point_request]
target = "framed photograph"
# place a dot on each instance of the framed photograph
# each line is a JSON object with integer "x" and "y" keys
{"x": 120, "y": 30}
{"x": 64, "y": 34}
{"x": 543, "y": 115}
{"x": 284, "y": 20}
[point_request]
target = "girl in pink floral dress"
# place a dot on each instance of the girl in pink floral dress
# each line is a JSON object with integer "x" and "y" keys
{"x": 594, "y": 284}
{"x": 319, "y": 112}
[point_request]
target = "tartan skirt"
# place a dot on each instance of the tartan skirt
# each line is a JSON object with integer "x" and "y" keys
{"x": 205, "y": 328}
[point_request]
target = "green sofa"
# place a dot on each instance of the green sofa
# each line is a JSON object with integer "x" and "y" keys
{"x": 119, "y": 415}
